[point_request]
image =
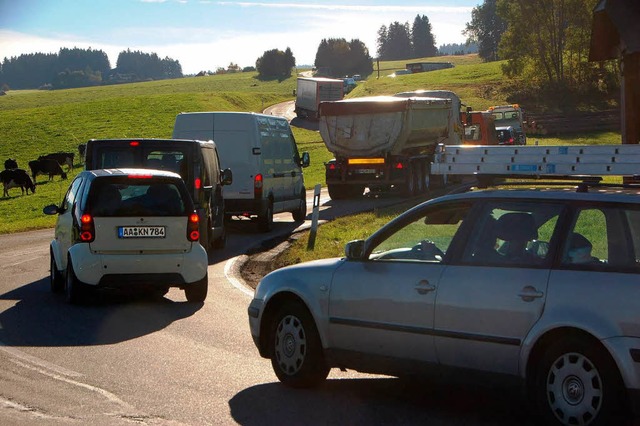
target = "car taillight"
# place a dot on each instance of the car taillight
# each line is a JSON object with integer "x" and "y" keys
{"x": 257, "y": 186}
{"x": 197, "y": 183}
{"x": 134, "y": 143}
{"x": 87, "y": 229}
{"x": 193, "y": 228}
{"x": 511, "y": 140}
{"x": 399, "y": 166}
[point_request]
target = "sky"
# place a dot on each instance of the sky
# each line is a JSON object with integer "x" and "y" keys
{"x": 206, "y": 34}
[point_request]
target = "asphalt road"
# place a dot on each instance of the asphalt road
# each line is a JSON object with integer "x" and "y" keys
{"x": 130, "y": 359}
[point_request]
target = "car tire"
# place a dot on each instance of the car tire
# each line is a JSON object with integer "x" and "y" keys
{"x": 577, "y": 382}
{"x": 75, "y": 290}
{"x": 296, "y": 351}
{"x": 300, "y": 213}
{"x": 197, "y": 292}
{"x": 265, "y": 221}
{"x": 55, "y": 276}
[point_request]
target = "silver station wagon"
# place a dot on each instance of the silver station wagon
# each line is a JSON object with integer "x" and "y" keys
{"x": 537, "y": 285}
{"x": 125, "y": 228}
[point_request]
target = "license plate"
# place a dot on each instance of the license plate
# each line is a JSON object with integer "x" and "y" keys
{"x": 141, "y": 232}
{"x": 364, "y": 171}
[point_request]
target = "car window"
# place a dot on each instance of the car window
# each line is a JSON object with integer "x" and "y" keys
{"x": 129, "y": 198}
{"x": 162, "y": 159}
{"x": 425, "y": 239}
{"x": 71, "y": 194}
{"x": 509, "y": 233}
{"x": 603, "y": 237}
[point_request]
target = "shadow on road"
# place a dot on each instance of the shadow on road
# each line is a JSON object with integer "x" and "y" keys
{"x": 379, "y": 402}
{"x": 41, "y": 318}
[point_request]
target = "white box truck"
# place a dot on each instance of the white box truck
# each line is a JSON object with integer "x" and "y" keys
{"x": 262, "y": 153}
{"x": 310, "y": 91}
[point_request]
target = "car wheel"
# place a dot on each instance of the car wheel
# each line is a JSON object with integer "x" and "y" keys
{"x": 75, "y": 290}
{"x": 197, "y": 292}
{"x": 578, "y": 384}
{"x": 301, "y": 212}
{"x": 55, "y": 277}
{"x": 265, "y": 221}
{"x": 296, "y": 351}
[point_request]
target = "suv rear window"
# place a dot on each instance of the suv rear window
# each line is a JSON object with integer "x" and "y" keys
{"x": 136, "y": 197}
{"x": 173, "y": 160}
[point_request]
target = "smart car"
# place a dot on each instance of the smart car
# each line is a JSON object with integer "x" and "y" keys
{"x": 126, "y": 228}
{"x": 537, "y": 286}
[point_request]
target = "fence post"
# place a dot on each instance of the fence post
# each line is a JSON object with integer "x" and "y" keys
{"x": 314, "y": 218}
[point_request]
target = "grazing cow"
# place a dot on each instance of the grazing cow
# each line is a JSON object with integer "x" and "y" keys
{"x": 82, "y": 148}
{"x": 46, "y": 167}
{"x": 61, "y": 157}
{"x": 10, "y": 164}
{"x": 14, "y": 178}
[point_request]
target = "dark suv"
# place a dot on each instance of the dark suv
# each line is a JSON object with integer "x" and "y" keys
{"x": 197, "y": 162}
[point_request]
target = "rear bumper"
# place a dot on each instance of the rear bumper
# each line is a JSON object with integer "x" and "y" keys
{"x": 244, "y": 207}
{"x": 102, "y": 269}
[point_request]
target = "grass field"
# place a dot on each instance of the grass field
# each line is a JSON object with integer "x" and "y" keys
{"x": 34, "y": 122}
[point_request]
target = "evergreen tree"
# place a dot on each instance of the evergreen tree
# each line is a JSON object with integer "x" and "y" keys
{"x": 423, "y": 41}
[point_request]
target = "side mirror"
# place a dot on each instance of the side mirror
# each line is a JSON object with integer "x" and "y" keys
{"x": 306, "y": 160}
{"x": 226, "y": 177}
{"x": 51, "y": 209}
{"x": 354, "y": 250}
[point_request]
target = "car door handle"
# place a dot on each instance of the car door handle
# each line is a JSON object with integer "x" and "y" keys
{"x": 278, "y": 175}
{"x": 529, "y": 293}
{"x": 424, "y": 287}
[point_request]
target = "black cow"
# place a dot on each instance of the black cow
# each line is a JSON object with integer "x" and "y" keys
{"x": 61, "y": 157}
{"x": 46, "y": 167}
{"x": 14, "y": 178}
{"x": 10, "y": 164}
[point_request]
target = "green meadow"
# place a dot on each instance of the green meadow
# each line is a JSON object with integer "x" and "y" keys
{"x": 34, "y": 123}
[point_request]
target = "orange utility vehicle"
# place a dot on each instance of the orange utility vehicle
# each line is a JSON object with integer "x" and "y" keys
{"x": 479, "y": 128}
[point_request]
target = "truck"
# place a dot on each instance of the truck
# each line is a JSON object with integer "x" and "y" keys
{"x": 510, "y": 115}
{"x": 385, "y": 142}
{"x": 479, "y": 128}
{"x": 310, "y": 91}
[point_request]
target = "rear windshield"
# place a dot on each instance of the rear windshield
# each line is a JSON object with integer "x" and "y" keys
{"x": 137, "y": 197}
{"x": 170, "y": 159}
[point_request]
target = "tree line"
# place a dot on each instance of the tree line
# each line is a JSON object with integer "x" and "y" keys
{"x": 83, "y": 67}
{"x": 544, "y": 42}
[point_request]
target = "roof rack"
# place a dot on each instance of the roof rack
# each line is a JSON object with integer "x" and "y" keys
{"x": 556, "y": 162}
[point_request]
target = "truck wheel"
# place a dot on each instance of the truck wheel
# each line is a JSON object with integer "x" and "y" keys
{"x": 265, "y": 221}
{"x": 409, "y": 189}
{"x": 197, "y": 292}
{"x": 336, "y": 192}
{"x": 301, "y": 212}
{"x": 296, "y": 351}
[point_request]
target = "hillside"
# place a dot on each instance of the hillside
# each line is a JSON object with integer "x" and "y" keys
{"x": 33, "y": 123}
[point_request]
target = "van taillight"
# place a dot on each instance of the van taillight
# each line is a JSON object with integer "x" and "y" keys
{"x": 87, "y": 229}
{"x": 257, "y": 186}
{"x": 193, "y": 228}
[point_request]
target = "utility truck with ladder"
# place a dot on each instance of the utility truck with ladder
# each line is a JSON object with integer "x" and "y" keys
{"x": 588, "y": 162}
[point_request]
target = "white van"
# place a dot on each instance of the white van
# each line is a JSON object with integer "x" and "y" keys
{"x": 262, "y": 154}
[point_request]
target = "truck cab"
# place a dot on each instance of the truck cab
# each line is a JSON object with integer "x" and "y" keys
{"x": 510, "y": 115}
